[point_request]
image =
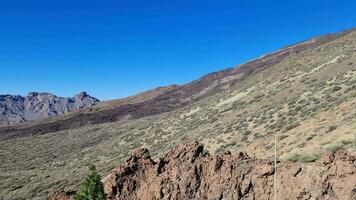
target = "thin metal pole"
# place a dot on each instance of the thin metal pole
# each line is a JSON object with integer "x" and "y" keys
{"x": 275, "y": 168}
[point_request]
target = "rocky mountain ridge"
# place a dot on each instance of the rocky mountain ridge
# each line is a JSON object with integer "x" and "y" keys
{"x": 16, "y": 108}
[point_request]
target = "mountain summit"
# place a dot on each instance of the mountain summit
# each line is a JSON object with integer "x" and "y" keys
{"x": 16, "y": 108}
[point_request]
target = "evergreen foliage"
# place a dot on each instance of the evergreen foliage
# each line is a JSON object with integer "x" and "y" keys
{"x": 92, "y": 188}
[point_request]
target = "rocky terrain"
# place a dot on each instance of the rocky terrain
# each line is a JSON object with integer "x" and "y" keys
{"x": 189, "y": 172}
{"x": 304, "y": 94}
{"x": 16, "y": 108}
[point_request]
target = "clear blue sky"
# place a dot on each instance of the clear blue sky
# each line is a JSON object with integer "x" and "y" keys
{"x": 117, "y": 48}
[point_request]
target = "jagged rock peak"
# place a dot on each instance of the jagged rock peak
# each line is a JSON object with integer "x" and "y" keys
{"x": 82, "y": 94}
{"x": 39, "y": 105}
{"x": 33, "y": 94}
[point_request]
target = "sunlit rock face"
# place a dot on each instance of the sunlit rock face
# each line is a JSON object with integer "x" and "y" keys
{"x": 16, "y": 108}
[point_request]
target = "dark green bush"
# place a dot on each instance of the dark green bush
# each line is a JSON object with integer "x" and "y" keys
{"x": 309, "y": 158}
{"x": 331, "y": 128}
{"x": 92, "y": 188}
{"x": 336, "y": 88}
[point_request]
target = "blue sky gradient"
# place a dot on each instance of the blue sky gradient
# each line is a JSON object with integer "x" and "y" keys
{"x": 117, "y": 48}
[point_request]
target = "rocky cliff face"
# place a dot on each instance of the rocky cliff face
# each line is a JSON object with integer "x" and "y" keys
{"x": 15, "y": 108}
{"x": 188, "y": 172}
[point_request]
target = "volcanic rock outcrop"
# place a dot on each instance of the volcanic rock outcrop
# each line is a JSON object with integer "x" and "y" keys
{"x": 187, "y": 172}
{"x": 62, "y": 195}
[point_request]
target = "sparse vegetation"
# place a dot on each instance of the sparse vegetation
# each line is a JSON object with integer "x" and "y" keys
{"x": 305, "y": 158}
{"x": 310, "y": 108}
{"x": 294, "y": 157}
{"x": 331, "y": 128}
{"x": 309, "y": 158}
{"x": 333, "y": 147}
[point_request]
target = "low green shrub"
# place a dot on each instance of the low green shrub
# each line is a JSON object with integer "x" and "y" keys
{"x": 92, "y": 188}
{"x": 294, "y": 157}
{"x": 309, "y": 158}
{"x": 334, "y": 147}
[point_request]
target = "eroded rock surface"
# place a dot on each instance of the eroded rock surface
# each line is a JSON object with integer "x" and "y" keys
{"x": 187, "y": 172}
{"x": 15, "y": 108}
{"x": 62, "y": 195}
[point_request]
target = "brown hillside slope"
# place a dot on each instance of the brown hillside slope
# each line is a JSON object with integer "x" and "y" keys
{"x": 167, "y": 98}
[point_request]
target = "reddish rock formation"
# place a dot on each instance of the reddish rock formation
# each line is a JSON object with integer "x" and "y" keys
{"x": 61, "y": 195}
{"x": 186, "y": 172}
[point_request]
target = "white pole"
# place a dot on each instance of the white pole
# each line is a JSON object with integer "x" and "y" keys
{"x": 275, "y": 168}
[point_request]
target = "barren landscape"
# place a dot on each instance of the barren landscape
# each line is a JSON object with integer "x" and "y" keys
{"x": 304, "y": 94}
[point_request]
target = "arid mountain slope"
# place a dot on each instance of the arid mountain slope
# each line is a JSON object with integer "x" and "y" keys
{"x": 305, "y": 94}
{"x": 15, "y": 108}
{"x": 167, "y": 98}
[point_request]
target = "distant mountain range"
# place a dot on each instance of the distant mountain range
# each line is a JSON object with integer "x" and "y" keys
{"x": 16, "y": 108}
